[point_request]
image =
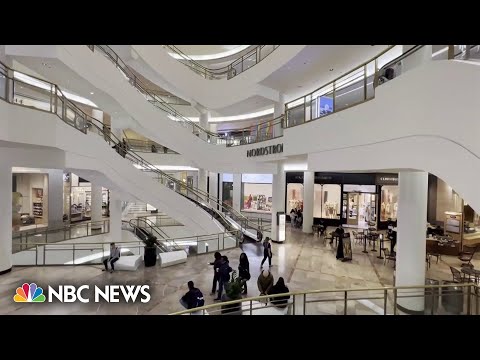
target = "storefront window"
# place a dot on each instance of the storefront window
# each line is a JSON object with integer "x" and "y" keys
{"x": 327, "y": 201}
{"x": 294, "y": 197}
{"x": 257, "y": 197}
{"x": 389, "y": 203}
{"x": 257, "y": 192}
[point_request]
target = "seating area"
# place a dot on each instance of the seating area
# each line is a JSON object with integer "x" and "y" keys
{"x": 172, "y": 258}
{"x": 129, "y": 263}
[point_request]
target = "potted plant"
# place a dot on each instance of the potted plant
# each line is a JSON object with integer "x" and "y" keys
{"x": 233, "y": 291}
{"x": 150, "y": 256}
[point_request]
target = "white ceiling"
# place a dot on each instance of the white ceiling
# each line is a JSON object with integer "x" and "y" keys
{"x": 213, "y": 51}
{"x": 310, "y": 69}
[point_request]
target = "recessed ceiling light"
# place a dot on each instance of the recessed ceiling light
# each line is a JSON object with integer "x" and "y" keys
{"x": 299, "y": 86}
{"x": 91, "y": 92}
{"x": 331, "y": 69}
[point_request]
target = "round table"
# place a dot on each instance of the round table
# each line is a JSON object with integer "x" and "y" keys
{"x": 471, "y": 272}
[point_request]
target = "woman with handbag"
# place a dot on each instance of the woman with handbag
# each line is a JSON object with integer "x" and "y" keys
{"x": 244, "y": 271}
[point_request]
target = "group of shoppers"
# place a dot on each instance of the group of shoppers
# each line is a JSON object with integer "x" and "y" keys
{"x": 221, "y": 276}
{"x": 296, "y": 218}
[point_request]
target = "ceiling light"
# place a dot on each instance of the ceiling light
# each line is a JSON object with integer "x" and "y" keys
{"x": 331, "y": 69}
{"x": 91, "y": 92}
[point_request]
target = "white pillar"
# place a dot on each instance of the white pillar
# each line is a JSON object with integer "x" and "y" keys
{"x": 278, "y": 198}
{"x": 411, "y": 235}
{"x": 202, "y": 179}
{"x": 418, "y": 58}
{"x": 213, "y": 187}
{"x": 96, "y": 205}
{"x": 98, "y": 114}
{"x": 308, "y": 190}
{"x": 115, "y": 216}
{"x": 278, "y": 109}
{"x": 5, "y": 218}
{"x": 55, "y": 198}
{"x": 237, "y": 192}
{"x": 204, "y": 118}
{"x": 202, "y": 173}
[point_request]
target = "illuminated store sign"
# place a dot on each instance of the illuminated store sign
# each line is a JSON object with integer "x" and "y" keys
{"x": 267, "y": 150}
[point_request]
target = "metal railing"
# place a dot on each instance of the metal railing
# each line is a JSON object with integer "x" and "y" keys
{"x": 161, "y": 220}
{"x": 56, "y": 103}
{"x": 88, "y": 253}
{"x": 451, "y": 298}
{"x": 263, "y": 131}
{"x": 148, "y": 146}
{"x": 353, "y": 88}
{"x": 22, "y": 239}
{"x": 206, "y": 135}
{"x": 236, "y": 67}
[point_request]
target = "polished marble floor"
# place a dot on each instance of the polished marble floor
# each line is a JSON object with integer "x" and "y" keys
{"x": 305, "y": 261}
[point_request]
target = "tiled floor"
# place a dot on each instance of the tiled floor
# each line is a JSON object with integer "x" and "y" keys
{"x": 305, "y": 261}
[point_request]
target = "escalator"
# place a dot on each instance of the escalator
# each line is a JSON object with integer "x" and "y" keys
{"x": 57, "y": 103}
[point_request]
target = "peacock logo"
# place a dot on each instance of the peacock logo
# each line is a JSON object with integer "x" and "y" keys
{"x": 29, "y": 293}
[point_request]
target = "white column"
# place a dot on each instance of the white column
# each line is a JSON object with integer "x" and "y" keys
{"x": 411, "y": 235}
{"x": 5, "y": 218}
{"x": 96, "y": 205}
{"x": 204, "y": 117}
{"x": 55, "y": 198}
{"x": 416, "y": 59}
{"x": 278, "y": 109}
{"x": 98, "y": 114}
{"x": 213, "y": 187}
{"x": 115, "y": 216}
{"x": 278, "y": 198}
{"x": 202, "y": 179}
{"x": 308, "y": 185}
{"x": 237, "y": 191}
{"x": 202, "y": 173}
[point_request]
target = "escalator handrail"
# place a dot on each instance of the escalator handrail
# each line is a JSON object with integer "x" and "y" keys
{"x": 57, "y": 96}
{"x": 162, "y": 105}
{"x": 214, "y": 73}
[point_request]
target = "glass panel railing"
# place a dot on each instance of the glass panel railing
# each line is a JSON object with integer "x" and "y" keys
{"x": 21, "y": 240}
{"x": 444, "y": 299}
{"x": 353, "y": 88}
{"x": 236, "y": 67}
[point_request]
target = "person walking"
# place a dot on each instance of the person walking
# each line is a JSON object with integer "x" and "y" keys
{"x": 267, "y": 252}
{"x": 216, "y": 264}
{"x": 244, "y": 271}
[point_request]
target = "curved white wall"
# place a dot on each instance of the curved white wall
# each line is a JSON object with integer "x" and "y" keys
{"x": 447, "y": 160}
{"x": 152, "y": 122}
{"x": 92, "y": 156}
{"x": 216, "y": 94}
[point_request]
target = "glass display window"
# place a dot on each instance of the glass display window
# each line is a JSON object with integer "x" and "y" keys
{"x": 257, "y": 197}
{"x": 389, "y": 203}
{"x": 294, "y": 197}
{"x": 327, "y": 201}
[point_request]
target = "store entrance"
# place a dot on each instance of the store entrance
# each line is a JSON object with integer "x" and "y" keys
{"x": 361, "y": 209}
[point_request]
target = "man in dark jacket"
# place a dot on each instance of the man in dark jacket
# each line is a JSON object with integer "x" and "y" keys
{"x": 193, "y": 298}
{"x": 224, "y": 271}
{"x": 216, "y": 264}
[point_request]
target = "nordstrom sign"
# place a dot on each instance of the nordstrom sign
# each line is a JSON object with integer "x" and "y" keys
{"x": 267, "y": 150}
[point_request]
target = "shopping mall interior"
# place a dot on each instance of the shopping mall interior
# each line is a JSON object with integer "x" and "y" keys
{"x": 338, "y": 170}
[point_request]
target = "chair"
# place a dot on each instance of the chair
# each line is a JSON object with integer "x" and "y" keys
{"x": 467, "y": 255}
{"x": 427, "y": 260}
{"x": 458, "y": 277}
{"x": 388, "y": 256}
